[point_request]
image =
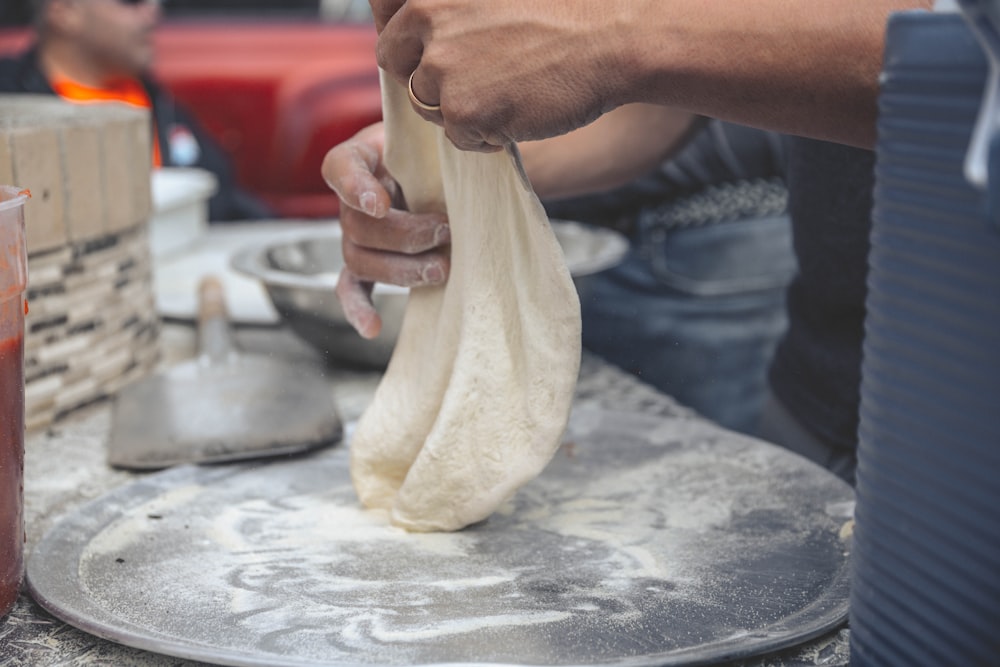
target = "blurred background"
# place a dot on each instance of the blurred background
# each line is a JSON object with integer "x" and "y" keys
{"x": 275, "y": 82}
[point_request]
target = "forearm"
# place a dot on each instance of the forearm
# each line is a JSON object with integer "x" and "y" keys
{"x": 793, "y": 66}
{"x": 616, "y": 148}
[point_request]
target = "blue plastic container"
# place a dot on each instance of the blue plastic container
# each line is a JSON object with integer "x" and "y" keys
{"x": 926, "y": 557}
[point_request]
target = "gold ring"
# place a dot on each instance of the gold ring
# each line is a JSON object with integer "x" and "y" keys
{"x": 433, "y": 108}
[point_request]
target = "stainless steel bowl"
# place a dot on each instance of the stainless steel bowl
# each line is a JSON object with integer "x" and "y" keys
{"x": 300, "y": 273}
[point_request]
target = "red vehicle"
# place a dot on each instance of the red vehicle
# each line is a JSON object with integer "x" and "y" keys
{"x": 276, "y": 89}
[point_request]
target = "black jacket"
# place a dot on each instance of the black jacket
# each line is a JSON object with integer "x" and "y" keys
{"x": 176, "y": 127}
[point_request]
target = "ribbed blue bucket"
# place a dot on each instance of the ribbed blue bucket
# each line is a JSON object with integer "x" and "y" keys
{"x": 926, "y": 557}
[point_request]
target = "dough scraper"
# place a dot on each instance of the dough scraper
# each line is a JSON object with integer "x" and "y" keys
{"x": 223, "y": 405}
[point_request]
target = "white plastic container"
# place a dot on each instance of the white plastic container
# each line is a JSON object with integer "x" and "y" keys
{"x": 180, "y": 207}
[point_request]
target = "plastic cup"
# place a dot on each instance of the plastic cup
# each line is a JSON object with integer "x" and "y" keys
{"x": 13, "y": 280}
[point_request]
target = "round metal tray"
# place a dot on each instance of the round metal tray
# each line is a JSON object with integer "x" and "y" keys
{"x": 646, "y": 541}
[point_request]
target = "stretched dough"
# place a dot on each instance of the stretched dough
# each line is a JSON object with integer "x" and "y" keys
{"x": 476, "y": 396}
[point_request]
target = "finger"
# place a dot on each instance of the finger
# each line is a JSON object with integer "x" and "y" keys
{"x": 356, "y": 302}
{"x": 467, "y": 139}
{"x": 400, "y": 46}
{"x": 383, "y": 10}
{"x": 398, "y": 232}
{"x": 428, "y": 268}
{"x": 418, "y": 82}
{"x": 353, "y": 170}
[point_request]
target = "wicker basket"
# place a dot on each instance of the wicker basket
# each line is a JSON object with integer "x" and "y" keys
{"x": 92, "y": 324}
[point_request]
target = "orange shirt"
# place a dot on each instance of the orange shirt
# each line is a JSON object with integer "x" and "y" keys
{"x": 129, "y": 91}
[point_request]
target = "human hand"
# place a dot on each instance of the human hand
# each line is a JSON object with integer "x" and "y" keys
{"x": 507, "y": 71}
{"x": 380, "y": 243}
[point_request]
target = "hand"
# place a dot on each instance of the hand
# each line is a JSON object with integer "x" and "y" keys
{"x": 507, "y": 71}
{"x": 380, "y": 243}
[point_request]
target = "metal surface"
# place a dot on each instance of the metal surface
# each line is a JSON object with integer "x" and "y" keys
{"x": 222, "y": 406}
{"x": 647, "y": 541}
{"x": 300, "y": 274}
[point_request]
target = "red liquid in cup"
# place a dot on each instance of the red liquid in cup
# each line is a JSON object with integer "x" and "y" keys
{"x": 11, "y": 469}
{"x": 13, "y": 281}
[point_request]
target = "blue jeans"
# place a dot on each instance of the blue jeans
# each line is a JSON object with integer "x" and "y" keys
{"x": 696, "y": 312}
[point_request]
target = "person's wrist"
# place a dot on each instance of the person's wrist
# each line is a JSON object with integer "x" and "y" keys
{"x": 634, "y": 66}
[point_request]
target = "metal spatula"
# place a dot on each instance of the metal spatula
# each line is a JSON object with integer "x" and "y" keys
{"x": 222, "y": 406}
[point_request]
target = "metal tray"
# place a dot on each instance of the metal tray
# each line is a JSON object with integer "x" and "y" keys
{"x": 646, "y": 541}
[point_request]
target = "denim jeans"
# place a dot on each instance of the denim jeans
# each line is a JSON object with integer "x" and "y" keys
{"x": 696, "y": 312}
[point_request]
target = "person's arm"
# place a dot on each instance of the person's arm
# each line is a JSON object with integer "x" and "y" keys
{"x": 618, "y": 147}
{"x": 797, "y": 67}
{"x": 523, "y": 70}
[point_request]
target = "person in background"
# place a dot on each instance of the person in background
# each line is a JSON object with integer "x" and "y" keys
{"x": 697, "y": 305}
{"x": 495, "y": 73}
{"x": 92, "y": 51}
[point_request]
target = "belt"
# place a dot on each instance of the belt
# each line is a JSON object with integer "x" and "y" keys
{"x": 725, "y": 202}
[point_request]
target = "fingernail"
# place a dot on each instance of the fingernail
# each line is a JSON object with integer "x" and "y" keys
{"x": 442, "y": 235}
{"x": 369, "y": 203}
{"x": 433, "y": 274}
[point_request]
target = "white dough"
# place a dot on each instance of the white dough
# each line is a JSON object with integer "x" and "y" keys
{"x": 477, "y": 394}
